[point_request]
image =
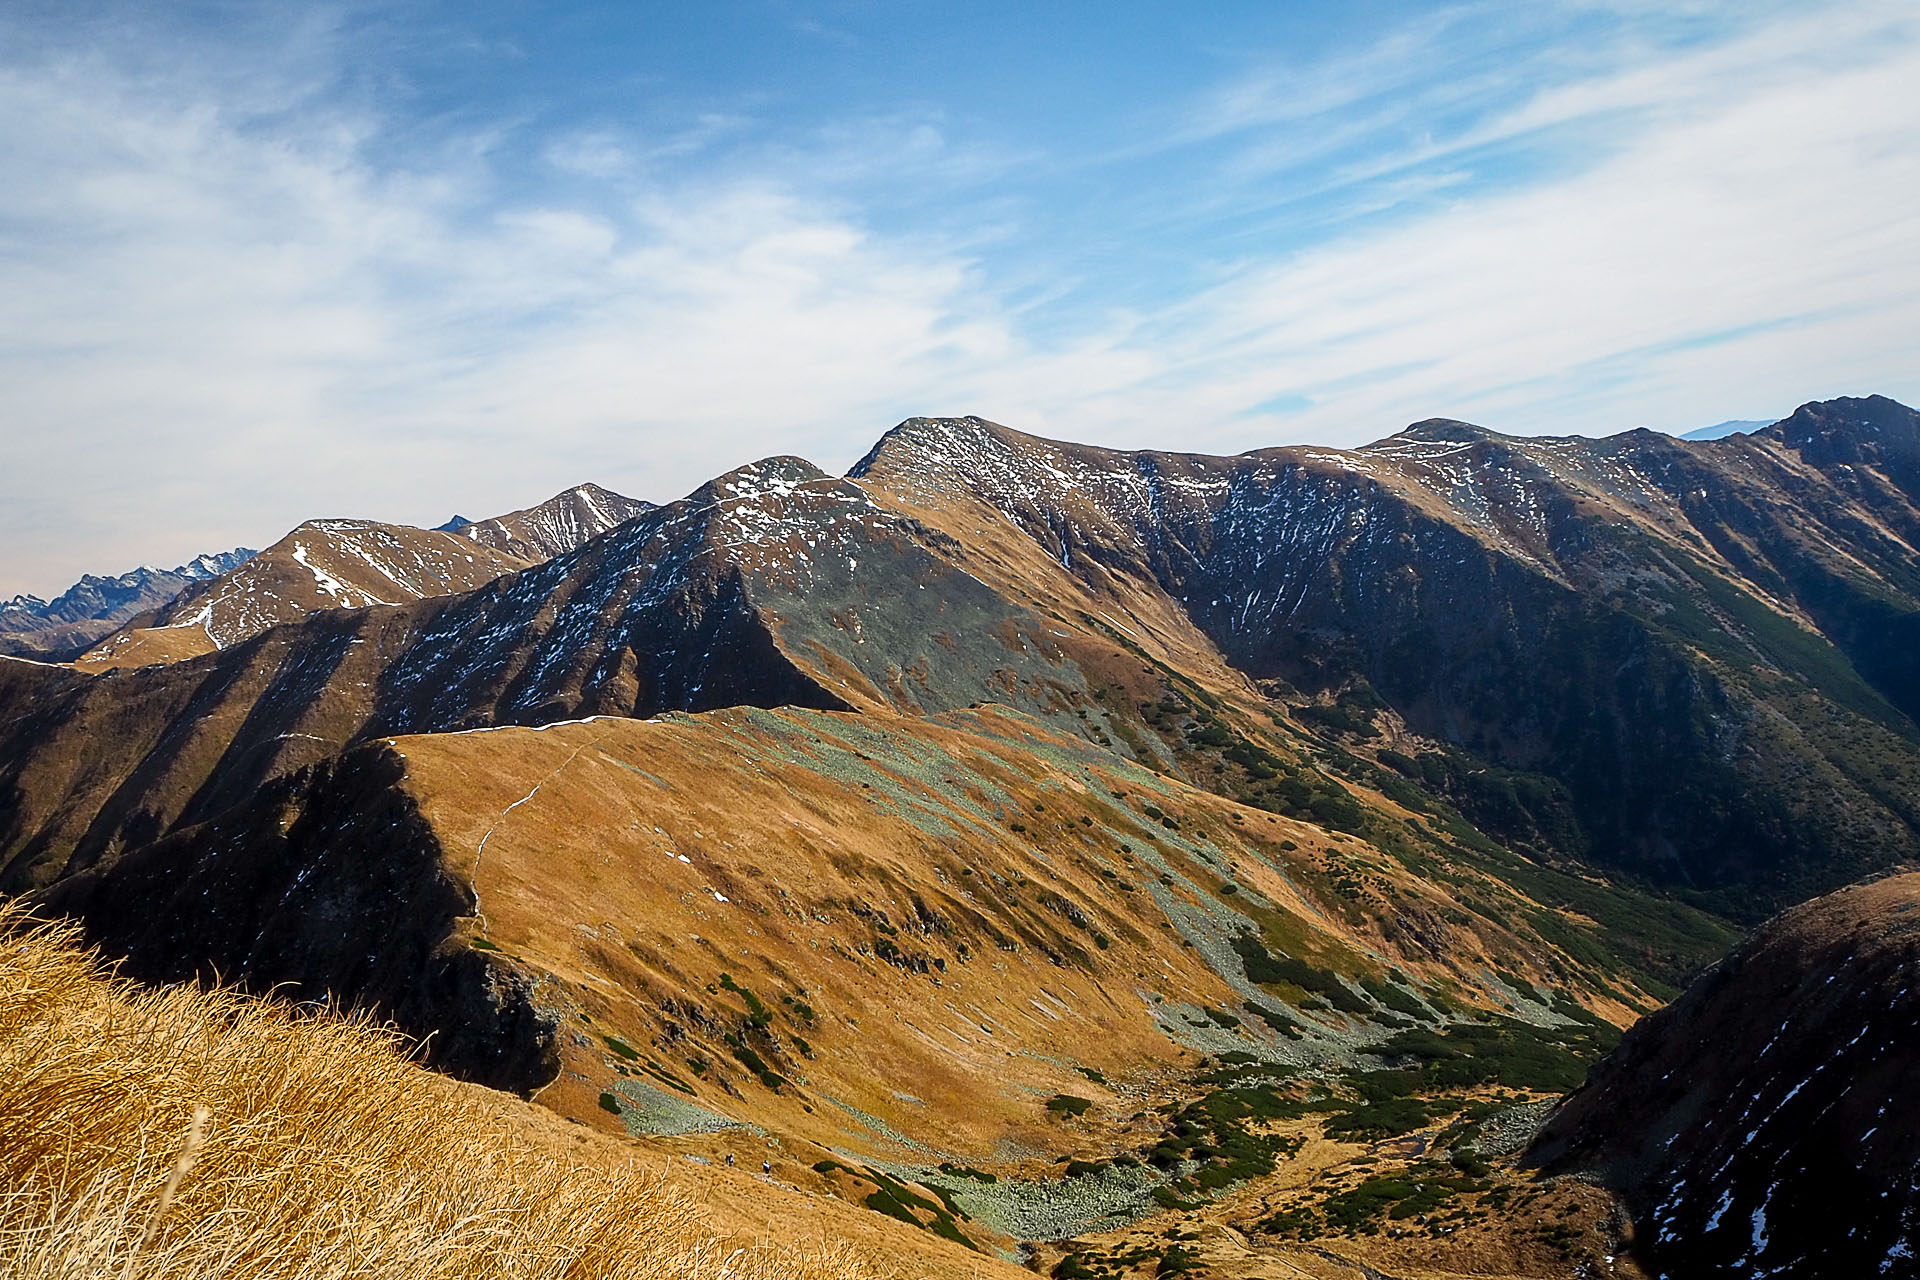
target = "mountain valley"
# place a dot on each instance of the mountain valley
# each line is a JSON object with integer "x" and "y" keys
{"x": 1113, "y": 862}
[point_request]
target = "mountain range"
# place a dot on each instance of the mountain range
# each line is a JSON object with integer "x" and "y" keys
{"x": 93, "y": 607}
{"x": 1214, "y": 827}
{"x": 335, "y": 564}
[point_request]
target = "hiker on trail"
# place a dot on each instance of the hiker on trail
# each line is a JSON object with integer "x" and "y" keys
{"x": 766, "y": 1166}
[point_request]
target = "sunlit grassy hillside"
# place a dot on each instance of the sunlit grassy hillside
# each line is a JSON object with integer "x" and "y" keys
{"x": 178, "y": 1133}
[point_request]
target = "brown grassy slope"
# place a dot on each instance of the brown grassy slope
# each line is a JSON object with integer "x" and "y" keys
{"x": 972, "y": 910}
{"x": 323, "y": 1152}
{"x": 145, "y": 646}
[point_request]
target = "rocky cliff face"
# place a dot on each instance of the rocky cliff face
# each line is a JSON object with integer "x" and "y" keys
{"x": 1762, "y": 1124}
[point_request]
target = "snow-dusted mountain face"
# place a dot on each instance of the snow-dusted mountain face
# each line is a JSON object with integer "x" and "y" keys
{"x": 358, "y": 564}
{"x": 331, "y": 564}
{"x": 563, "y": 523}
{"x": 94, "y": 606}
{"x": 1667, "y": 630}
{"x": 772, "y": 584}
{"x": 1762, "y": 1124}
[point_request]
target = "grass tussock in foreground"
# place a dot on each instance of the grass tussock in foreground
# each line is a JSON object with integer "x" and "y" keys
{"x": 180, "y": 1133}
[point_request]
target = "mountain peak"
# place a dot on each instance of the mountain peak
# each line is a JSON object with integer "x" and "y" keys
{"x": 922, "y": 443}
{"x": 780, "y": 474}
{"x": 563, "y": 523}
{"x": 1837, "y": 429}
{"x": 1445, "y": 431}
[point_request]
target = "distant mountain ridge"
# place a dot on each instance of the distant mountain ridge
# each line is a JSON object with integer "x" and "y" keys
{"x": 1733, "y": 426}
{"x": 95, "y": 606}
{"x": 94, "y": 598}
{"x": 346, "y": 564}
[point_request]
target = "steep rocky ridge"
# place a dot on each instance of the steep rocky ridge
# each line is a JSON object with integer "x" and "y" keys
{"x": 1621, "y": 615}
{"x": 1761, "y": 1124}
{"x": 565, "y": 522}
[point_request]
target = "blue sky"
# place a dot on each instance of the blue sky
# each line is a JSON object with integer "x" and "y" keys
{"x": 261, "y": 263}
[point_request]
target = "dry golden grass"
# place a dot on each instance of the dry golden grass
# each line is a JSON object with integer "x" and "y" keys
{"x": 180, "y": 1133}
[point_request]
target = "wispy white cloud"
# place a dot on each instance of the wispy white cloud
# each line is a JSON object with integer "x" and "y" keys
{"x": 1741, "y": 236}
{"x": 233, "y": 299}
{"x": 214, "y": 323}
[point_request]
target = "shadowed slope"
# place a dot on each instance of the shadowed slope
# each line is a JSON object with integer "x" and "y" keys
{"x": 1770, "y": 1105}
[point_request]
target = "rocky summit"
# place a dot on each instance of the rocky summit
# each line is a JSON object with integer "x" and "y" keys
{"x": 1116, "y": 862}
